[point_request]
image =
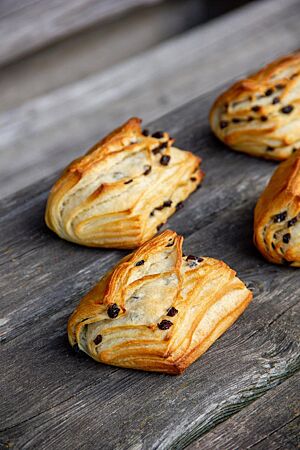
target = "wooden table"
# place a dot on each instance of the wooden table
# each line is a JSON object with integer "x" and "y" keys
{"x": 244, "y": 392}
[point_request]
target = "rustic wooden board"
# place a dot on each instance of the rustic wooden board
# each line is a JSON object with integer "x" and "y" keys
{"x": 44, "y": 133}
{"x": 54, "y": 399}
{"x": 271, "y": 422}
{"x": 27, "y": 25}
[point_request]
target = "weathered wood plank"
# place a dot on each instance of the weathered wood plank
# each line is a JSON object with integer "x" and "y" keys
{"x": 270, "y": 422}
{"x": 29, "y": 25}
{"x": 45, "y": 133}
{"x": 63, "y": 399}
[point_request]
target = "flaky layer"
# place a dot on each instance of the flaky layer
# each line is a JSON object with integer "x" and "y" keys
{"x": 277, "y": 215}
{"x": 158, "y": 310}
{"x": 123, "y": 189}
{"x": 260, "y": 115}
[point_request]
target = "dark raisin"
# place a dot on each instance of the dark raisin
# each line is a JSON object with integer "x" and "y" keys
{"x": 280, "y": 217}
{"x": 255, "y": 108}
{"x": 275, "y": 100}
{"x": 158, "y": 149}
{"x": 129, "y": 181}
{"x": 193, "y": 179}
{"x": 292, "y": 222}
{"x": 273, "y": 246}
{"x": 140, "y": 263}
{"x": 98, "y": 339}
{"x": 113, "y": 311}
{"x": 172, "y": 311}
{"x": 146, "y": 132}
{"x": 191, "y": 258}
{"x": 76, "y": 348}
{"x": 147, "y": 170}
{"x": 167, "y": 203}
{"x": 287, "y": 109}
{"x": 236, "y": 120}
{"x": 269, "y": 148}
{"x": 250, "y": 118}
{"x": 152, "y": 213}
{"x": 159, "y": 226}
{"x": 200, "y": 259}
{"x": 263, "y": 118}
{"x": 158, "y": 134}
{"x": 294, "y": 150}
{"x": 269, "y": 92}
{"x": 286, "y": 238}
{"x": 179, "y": 206}
{"x": 164, "y": 324}
{"x": 164, "y": 160}
{"x": 223, "y": 124}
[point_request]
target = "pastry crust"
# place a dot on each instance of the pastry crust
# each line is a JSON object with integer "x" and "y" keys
{"x": 277, "y": 215}
{"x": 123, "y": 189}
{"x": 260, "y": 115}
{"x": 158, "y": 310}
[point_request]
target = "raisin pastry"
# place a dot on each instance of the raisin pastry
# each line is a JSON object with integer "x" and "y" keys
{"x": 277, "y": 215}
{"x": 260, "y": 115}
{"x": 158, "y": 310}
{"x": 123, "y": 190}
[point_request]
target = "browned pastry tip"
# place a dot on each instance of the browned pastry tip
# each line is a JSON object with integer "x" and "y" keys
{"x": 123, "y": 189}
{"x": 260, "y": 115}
{"x": 277, "y": 215}
{"x": 158, "y": 310}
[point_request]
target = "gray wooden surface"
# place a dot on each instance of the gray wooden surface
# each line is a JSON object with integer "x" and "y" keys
{"x": 44, "y": 133}
{"x": 54, "y": 399}
{"x": 27, "y": 25}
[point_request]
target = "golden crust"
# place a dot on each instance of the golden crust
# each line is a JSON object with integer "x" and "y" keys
{"x": 122, "y": 190}
{"x": 260, "y": 115}
{"x": 277, "y": 215}
{"x": 205, "y": 295}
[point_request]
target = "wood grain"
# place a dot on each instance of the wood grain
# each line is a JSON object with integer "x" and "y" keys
{"x": 52, "y": 398}
{"x": 271, "y": 422}
{"x": 29, "y": 25}
{"x": 42, "y": 135}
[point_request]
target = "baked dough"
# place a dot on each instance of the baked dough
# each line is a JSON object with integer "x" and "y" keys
{"x": 158, "y": 310}
{"x": 123, "y": 190}
{"x": 277, "y": 215}
{"x": 260, "y": 115}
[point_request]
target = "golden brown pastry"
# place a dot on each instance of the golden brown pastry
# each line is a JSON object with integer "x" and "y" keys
{"x": 123, "y": 190}
{"x": 260, "y": 115}
{"x": 277, "y": 215}
{"x": 158, "y": 310}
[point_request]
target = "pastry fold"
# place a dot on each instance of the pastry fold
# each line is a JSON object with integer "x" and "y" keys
{"x": 260, "y": 115}
{"x": 158, "y": 310}
{"x": 121, "y": 192}
{"x": 277, "y": 215}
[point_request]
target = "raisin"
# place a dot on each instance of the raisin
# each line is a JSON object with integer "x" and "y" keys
{"x": 172, "y": 311}
{"x": 236, "y": 120}
{"x": 98, "y": 339}
{"x": 269, "y": 92}
{"x": 270, "y": 149}
{"x": 275, "y": 100}
{"x": 179, "y": 206}
{"x": 223, "y": 124}
{"x": 146, "y": 132}
{"x": 164, "y": 160}
{"x": 147, "y": 170}
{"x": 279, "y": 86}
{"x": 164, "y": 324}
{"x": 129, "y": 181}
{"x": 263, "y": 118}
{"x": 140, "y": 263}
{"x": 158, "y": 134}
{"x": 286, "y": 238}
{"x": 113, "y": 311}
{"x": 292, "y": 222}
{"x": 167, "y": 203}
{"x": 255, "y": 108}
{"x": 280, "y": 217}
{"x": 250, "y": 118}
{"x": 193, "y": 179}
{"x": 287, "y": 109}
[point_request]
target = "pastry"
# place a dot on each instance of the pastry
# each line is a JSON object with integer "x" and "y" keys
{"x": 123, "y": 190}
{"x": 158, "y": 310}
{"x": 260, "y": 115}
{"x": 277, "y": 215}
